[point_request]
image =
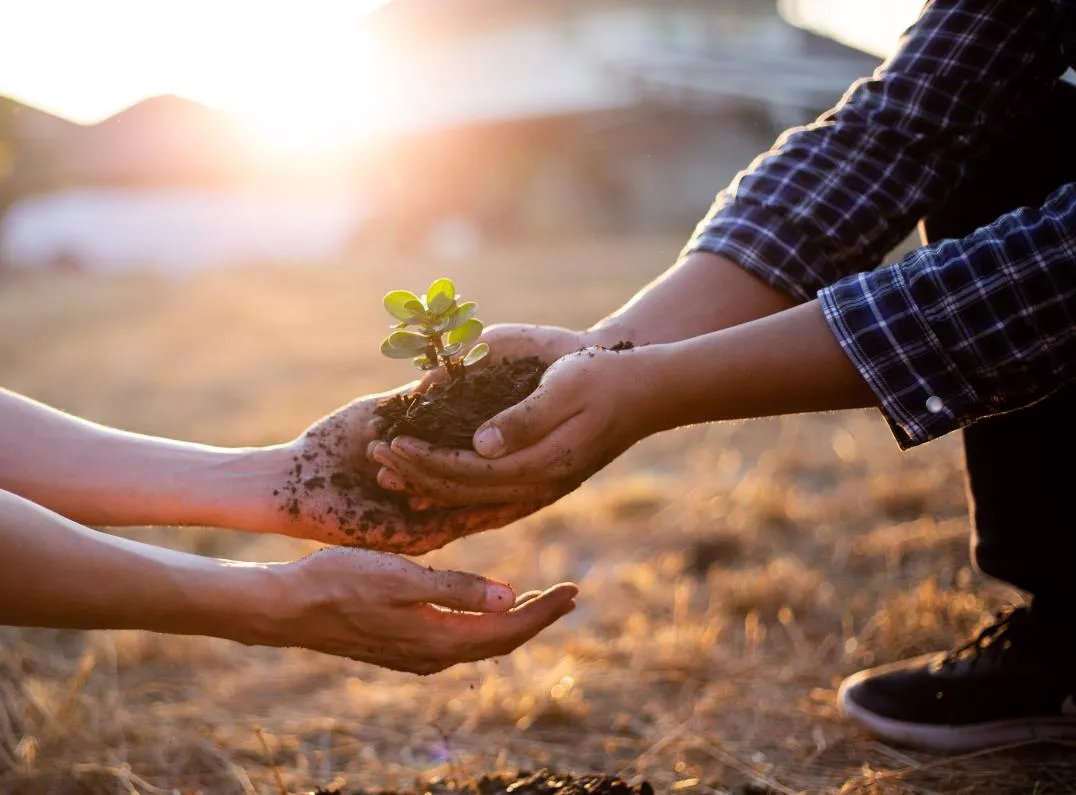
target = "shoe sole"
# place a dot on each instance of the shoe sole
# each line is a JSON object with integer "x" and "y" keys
{"x": 958, "y": 739}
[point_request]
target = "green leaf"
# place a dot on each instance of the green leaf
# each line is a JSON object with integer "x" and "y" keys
{"x": 466, "y": 333}
{"x": 452, "y": 350}
{"x": 397, "y": 302}
{"x": 463, "y": 313}
{"x": 393, "y": 352}
{"x": 442, "y": 306}
{"x": 440, "y": 287}
{"x": 422, "y": 363}
{"x": 439, "y": 326}
{"x": 477, "y": 353}
{"x": 409, "y": 341}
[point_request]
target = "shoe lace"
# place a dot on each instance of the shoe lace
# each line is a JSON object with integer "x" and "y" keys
{"x": 993, "y": 639}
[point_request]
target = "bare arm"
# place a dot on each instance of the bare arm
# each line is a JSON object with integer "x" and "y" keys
{"x": 365, "y": 605}
{"x": 103, "y": 476}
{"x": 786, "y": 363}
{"x": 834, "y": 197}
{"x": 310, "y": 487}
{"x": 55, "y": 572}
{"x": 703, "y": 292}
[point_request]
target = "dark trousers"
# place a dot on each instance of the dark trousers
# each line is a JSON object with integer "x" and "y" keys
{"x": 1020, "y": 465}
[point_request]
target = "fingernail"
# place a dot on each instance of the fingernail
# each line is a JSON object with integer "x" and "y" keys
{"x": 489, "y": 443}
{"x": 390, "y": 481}
{"x": 499, "y": 595}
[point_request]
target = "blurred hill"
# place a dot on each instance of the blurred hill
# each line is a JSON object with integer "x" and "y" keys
{"x": 497, "y": 120}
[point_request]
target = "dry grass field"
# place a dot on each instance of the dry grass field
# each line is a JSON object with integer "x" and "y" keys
{"x": 730, "y": 575}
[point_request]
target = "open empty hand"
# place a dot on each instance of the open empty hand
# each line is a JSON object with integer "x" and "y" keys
{"x": 386, "y": 610}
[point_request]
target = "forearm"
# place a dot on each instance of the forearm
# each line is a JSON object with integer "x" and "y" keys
{"x": 702, "y": 293}
{"x": 102, "y": 476}
{"x": 835, "y": 197}
{"x": 56, "y": 573}
{"x": 786, "y": 363}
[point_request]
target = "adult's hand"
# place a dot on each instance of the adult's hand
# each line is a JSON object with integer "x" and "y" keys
{"x": 520, "y": 340}
{"x": 365, "y": 605}
{"x": 386, "y": 610}
{"x": 590, "y": 407}
{"x": 322, "y": 487}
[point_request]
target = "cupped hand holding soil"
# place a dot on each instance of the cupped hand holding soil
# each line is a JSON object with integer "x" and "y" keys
{"x": 588, "y": 408}
{"x": 322, "y": 487}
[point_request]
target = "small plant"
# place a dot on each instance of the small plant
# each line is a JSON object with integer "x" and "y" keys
{"x": 445, "y": 328}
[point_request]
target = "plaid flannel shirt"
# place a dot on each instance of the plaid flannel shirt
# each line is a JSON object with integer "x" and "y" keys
{"x": 955, "y": 331}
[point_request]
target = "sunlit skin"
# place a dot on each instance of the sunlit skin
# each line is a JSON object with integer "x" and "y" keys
{"x": 764, "y": 356}
{"x": 59, "y": 474}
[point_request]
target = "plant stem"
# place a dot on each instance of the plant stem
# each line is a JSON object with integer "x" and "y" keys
{"x": 433, "y": 355}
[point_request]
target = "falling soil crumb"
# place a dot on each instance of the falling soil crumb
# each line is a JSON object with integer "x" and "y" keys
{"x": 450, "y": 412}
{"x": 543, "y": 782}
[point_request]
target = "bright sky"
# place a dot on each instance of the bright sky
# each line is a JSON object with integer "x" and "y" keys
{"x": 870, "y": 25}
{"x": 263, "y": 59}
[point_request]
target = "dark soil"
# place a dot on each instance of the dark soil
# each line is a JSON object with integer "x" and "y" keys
{"x": 447, "y": 414}
{"x": 544, "y": 782}
{"x": 450, "y": 412}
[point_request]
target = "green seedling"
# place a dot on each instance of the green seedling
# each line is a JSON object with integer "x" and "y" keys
{"x": 443, "y": 328}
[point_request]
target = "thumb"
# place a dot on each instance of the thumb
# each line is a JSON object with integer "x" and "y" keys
{"x": 460, "y": 590}
{"x": 520, "y": 426}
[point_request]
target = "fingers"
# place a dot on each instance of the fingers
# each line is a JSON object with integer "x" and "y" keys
{"x": 459, "y": 590}
{"x": 522, "y": 425}
{"x": 551, "y": 459}
{"x": 451, "y": 638}
{"x": 491, "y": 635}
{"x": 438, "y": 492}
{"x": 523, "y": 598}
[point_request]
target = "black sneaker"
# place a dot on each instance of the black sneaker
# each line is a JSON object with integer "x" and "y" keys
{"x": 1013, "y": 682}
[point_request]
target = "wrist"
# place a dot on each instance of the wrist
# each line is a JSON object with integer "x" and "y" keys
{"x": 242, "y": 602}
{"x": 235, "y": 487}
{"x": 652, "y": 390}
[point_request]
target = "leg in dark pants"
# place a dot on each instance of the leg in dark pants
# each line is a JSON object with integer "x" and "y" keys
{"x": 1015, "y": 681}
{"x": 1023, "y": 514}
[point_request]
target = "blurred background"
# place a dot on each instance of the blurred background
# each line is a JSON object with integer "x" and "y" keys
{"x": 181, "y": 136}
{"x": 202, "y": 203}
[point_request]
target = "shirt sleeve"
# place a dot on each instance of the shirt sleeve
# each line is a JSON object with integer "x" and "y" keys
{"x": 967, "y": 328}
{"x": 835, "y": 197}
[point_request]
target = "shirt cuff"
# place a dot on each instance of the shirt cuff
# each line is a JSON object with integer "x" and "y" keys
{"x": 920, "y": 390}
{"x": 760, "y": 241}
